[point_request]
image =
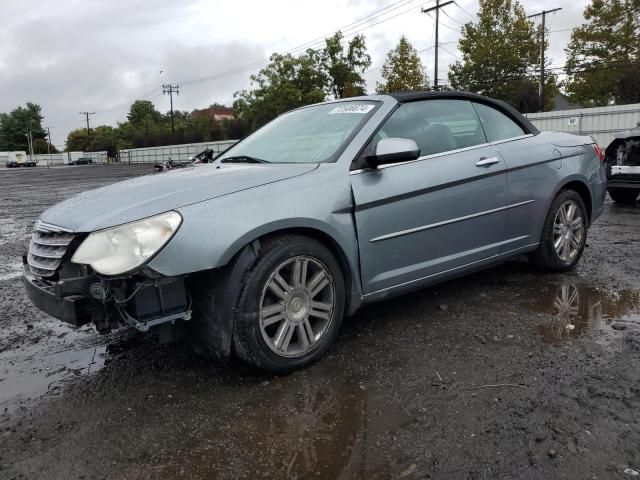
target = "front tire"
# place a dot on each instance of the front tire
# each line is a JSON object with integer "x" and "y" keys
{"x": 624, "y": 197}
{"x": 564, "y": 233}
{"x": 291, "y": 305}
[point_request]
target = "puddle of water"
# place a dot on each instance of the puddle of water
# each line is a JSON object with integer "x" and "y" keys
{"x": 573, "y": 309}
{"x": 25, "y": 379}
{"x": 10, "y": 270}
{"x": 328, "y": 431}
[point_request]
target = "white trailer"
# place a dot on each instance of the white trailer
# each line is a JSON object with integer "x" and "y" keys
{"x": 19, "y": 159}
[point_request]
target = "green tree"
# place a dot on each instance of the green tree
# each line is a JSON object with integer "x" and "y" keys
{"x": 403, "y": 70}
{"x": 344, "y": 67}
{"x": 141, "y": 111}
{"x": 500, "y": 54}
{"x": 603, "y": 56}
{"x": 15, "y": 125}
{"x": 76, "y": 140}
{"x": 286, "y": 82}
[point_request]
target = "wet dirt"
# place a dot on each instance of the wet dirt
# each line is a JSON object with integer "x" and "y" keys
{"x": 508, "y": 373}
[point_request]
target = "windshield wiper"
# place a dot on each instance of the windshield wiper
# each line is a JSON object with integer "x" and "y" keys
{"x": 243, "y": 159}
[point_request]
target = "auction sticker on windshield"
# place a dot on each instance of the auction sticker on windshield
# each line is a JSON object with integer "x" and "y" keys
{"x": 362, "y": 108}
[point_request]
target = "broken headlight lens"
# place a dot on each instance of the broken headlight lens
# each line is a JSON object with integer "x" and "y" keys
{"x": 121, "y": 249}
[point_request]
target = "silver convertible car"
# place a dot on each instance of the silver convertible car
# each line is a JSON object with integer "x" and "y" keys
{"x": 326, "y": 208}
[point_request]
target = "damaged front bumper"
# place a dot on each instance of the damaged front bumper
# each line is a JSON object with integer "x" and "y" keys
{"x": 141, "y": 301}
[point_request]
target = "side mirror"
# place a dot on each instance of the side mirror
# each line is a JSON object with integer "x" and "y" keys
{"x": 394, "y": 150}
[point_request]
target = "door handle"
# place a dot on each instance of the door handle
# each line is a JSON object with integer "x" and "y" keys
{"x": 487, "y": 162}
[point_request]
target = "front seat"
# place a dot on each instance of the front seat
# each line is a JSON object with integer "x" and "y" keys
{"x": 436, "y": 138}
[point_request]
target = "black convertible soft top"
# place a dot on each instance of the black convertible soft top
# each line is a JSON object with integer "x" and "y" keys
{"x": 500, "y": 105}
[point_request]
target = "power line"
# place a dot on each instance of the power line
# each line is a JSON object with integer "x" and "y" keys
{"x": 259, "y": 64}
{"x": 465, "y": 11}
{"x": 457, "y": 21}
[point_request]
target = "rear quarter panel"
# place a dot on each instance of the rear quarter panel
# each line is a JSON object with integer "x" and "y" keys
{"x": 537, "y": 168}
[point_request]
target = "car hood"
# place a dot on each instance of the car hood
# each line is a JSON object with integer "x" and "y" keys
{"x": 149, "y": 195}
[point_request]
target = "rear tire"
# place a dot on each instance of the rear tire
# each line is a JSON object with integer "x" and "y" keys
{"x": 291, "y": 305}
{"x": 624, "y": 196}
{"x": 564, "y": 233}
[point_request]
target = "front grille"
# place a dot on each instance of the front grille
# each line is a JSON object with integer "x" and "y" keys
{"x": 47, "y": 248}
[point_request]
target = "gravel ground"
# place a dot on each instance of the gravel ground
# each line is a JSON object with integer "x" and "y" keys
{"x": 507, "y": 373}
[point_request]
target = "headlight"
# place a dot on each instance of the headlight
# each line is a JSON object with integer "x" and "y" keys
{"x": 120, "y": 249}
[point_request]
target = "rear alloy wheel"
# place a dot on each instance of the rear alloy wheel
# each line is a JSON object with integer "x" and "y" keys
{"x": 624, "y": 196}
{"x": 291, "y": 304}
{"x": 564, "y": 233}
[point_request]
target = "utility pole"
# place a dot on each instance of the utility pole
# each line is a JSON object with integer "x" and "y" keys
{"x": 86, "y": 114}
{"x": 171, "y": 89}
{"x": 48, "y": 147}
{"x": 437, "y": 10}
{"x": 29, "y": 140}
{"x": 542, "y": 14}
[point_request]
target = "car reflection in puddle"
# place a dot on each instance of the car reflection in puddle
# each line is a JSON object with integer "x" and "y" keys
{"x": 572, "y": 309}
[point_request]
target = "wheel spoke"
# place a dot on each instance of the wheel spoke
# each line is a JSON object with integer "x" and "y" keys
{"x": 571, "y": 211}
{"x": 300, "y": 272}
{"x": 563, "y": 215}
{"x": 272, "y": 314}
{"x": 319, "y": 314}
{"x": 576, "y": 224}
{"x": 310, "y": 333}
{"x": 277, "y": 291}
{"x": 557, "y": 229}
{"x": 574, "y": 242}
{"x": 315, "y": 280}
{"x": 566, "y": 248}
{"x": 282, "y": 283}
{"x": 287, "y": 338}
{"x": 302, "y": 335}
{"x": 325, "y": 306}
{"x": 557, "y": 243}
{"x": 319, "y": 288}
{"x": 283, "y": 335}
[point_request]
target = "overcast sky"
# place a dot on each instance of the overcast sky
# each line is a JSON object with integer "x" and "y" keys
{"x": 100, "y": 55}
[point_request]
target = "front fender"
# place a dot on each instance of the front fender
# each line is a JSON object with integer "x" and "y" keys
{"x": 214, "y": 231}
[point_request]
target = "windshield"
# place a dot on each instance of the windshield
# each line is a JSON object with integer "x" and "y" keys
{"x": 309, "y": 135}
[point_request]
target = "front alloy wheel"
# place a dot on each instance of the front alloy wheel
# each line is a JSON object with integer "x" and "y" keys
{"x": 291, "y": 304}
{"x": 297, "y": 306}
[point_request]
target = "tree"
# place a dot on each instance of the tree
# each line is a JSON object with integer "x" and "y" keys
{"x": 76, "y": 140}
{"x": 403, "y": 70}
{"x": 500, "y": 54}
{"x": 344, "y": 69}
{"x": 14, "y": 127}
{"x": 141, "y": 111}
{"x": 286, "y": 82}
{"x": 603, "y": 56}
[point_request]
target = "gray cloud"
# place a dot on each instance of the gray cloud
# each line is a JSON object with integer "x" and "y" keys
{"x": 100, "y": 55}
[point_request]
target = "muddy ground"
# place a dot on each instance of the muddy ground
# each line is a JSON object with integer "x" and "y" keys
{"x": 408, "y": 390}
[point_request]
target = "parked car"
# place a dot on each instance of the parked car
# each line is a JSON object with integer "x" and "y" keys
{"x": 81, "y": 161}
{"x": 326, "y": 208}
{"x": 622, "y": 159}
